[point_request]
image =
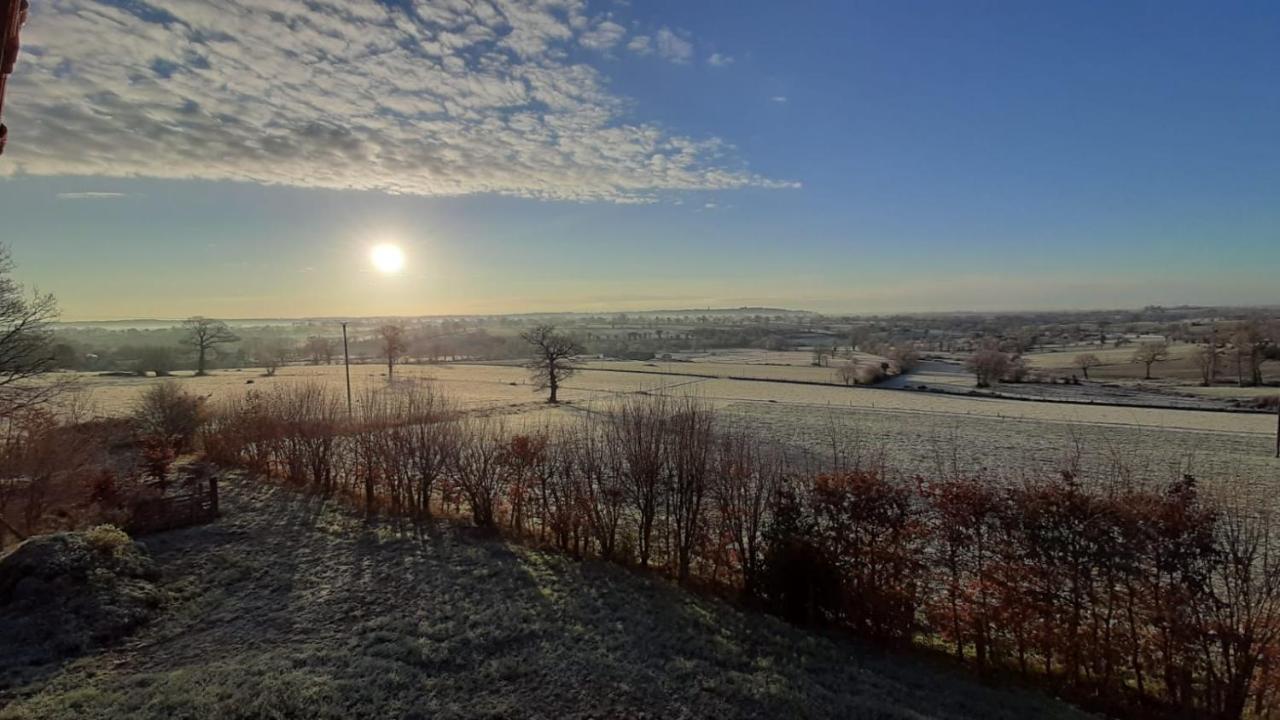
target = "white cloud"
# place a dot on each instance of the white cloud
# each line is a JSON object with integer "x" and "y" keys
{"x": 778, "y": 99}
{"x": 91, "y": 195}
{"x": 430, "y": 98}
{"x": 603, "y": 36}
{"x": 673, "y": 47}
{"x": 641, "y": 45}
{"x": 719, "y": 60}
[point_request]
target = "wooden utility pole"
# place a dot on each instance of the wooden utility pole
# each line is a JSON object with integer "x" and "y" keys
{"x": 1278, "y": 426}
{"x": 1213, "y": 355}
{"x": 346, "y": 362}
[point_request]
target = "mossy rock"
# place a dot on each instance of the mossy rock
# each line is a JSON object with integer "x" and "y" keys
{"x": 67, "y": 592}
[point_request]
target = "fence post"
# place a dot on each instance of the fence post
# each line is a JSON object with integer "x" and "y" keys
{"x": 213, "y": 494}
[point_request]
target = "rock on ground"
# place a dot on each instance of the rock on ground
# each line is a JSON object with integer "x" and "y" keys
{"x": 65, "y": 593}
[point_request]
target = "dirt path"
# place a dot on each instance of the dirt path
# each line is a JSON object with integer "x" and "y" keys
{"x": 287, "y": 607}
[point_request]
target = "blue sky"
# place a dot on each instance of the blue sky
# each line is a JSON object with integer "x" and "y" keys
{"x": 169, "y": 159}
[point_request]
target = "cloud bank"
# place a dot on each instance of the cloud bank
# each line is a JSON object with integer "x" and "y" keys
{"x": 439, "y": 97}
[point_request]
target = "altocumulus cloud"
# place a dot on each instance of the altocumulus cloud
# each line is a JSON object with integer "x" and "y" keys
{"x": 444, "y": 97}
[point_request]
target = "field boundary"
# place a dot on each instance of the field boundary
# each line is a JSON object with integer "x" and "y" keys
{"x": 969, "y": 394}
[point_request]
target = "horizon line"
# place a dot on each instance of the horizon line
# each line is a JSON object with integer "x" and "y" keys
{"x": 677, "y": 311}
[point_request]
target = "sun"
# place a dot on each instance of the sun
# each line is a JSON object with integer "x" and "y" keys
{"x": 388, "y": 259}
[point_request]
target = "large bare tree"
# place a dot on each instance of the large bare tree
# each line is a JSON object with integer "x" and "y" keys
{"x": 1084, "y": 361}
{"x": 553, "y": 358}
{"x": 1206, "y": 359}
{"x": 25, "y": 341}
{"x": 203, "y": 335}
{"x": 988, "y": 365}
{"x": 1249, "y": 344}
{"x": 1150, "y": 353}
{"x": 394, "y": 345}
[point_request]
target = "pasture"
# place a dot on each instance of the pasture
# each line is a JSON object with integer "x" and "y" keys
{"x": 914, "y": 431}
{"x": 1180, "y": 369}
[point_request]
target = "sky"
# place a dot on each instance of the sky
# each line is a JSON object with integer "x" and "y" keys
{"x": 240, "y": 159}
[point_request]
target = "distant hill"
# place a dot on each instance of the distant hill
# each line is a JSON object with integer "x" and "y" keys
{"x": 156, "y": 323}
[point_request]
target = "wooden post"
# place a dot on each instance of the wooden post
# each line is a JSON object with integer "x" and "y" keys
{"x": 346, "y": 361}
{"x": 1278, "y": 426}
{"x": 1213, "y": 355}
{"x": 213, "y": 494}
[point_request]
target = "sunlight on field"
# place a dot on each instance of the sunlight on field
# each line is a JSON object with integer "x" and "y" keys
{"x": 916, "y": 429}
{"x": 508, "y": 390}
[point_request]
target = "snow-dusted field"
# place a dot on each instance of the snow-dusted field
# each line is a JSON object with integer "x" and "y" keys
{"x": 1064, "y": 359}
{"x": 914, "y": 429}
{"x": 508, "y": 389}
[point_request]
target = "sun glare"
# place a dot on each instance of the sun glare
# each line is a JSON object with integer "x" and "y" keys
{"x": 387, "y": 258}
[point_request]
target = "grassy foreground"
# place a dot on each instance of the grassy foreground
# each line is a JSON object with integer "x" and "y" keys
{"x": 289, "y": 607}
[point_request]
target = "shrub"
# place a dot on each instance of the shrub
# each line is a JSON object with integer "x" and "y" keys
{"x": 107, "y": 540}
{"x": 170, "y": 414}
{"x": 870, "y": 527}
{"x": 800, "y": 581}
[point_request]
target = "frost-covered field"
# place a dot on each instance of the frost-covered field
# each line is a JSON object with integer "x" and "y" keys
{"x": 916, "y": 430}
{"x": 287, "y": 607}
{"x": 1232, "y": 391}
{"x": 1064, "y": 359}
{"x": 793, "y": 373}
{"x": 1008, "y": 448}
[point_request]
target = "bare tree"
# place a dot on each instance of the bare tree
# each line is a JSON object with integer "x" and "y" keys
{"x": 433, "y": 441}
{"x": 988, "y": 366}
{"x": 394, "y": 345}
{"x": 25, "y": 335}
{"x": 553, "y": 358}
{"x": 169, "y": 414}
{"x": 273, "y": 356}
{"x": 479, "y": 469}
{"x": 1084, "y": 361}
{"x": 205, "y": 334}
{"x": 603, "y": 483}
{"x": 1245, "y": 612}
{"x": 1248, "y": 348}
{"x": 1150, "y": 353}
{"x": 1206, "y": 358}
{"x": 904, "y": 358}
{"x": 747, "y": 477}
{"x": 848, "y": 373}
{"x": 320, "y": 350}
{"x": 637, "y": 433}
{"x": 690, "y": 465}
